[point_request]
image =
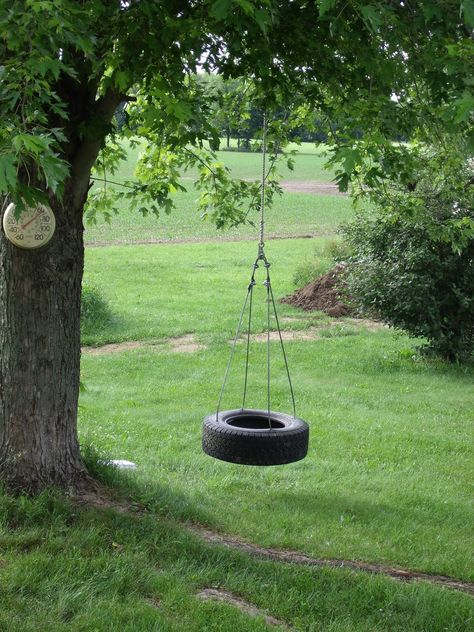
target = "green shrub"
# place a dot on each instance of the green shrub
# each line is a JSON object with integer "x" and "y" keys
{"x": 413, "y": 262}
{"x": 338, "y": 250}
{"x": 96, "y": 314}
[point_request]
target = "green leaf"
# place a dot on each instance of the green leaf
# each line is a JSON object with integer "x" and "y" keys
{"x": 372, "y": 16}
{"x": 262, "y": 19}
{"x": 122, "y": 80}
{"x": 325, "y": 6}
{"x": 468, "y": 12}
{"x": 30, "y": 143}
{"x": 464, "y": 106}
{"x": 8, "y": 175}
{"x": 247, "y": 6}
{"x": 221, "y": 9}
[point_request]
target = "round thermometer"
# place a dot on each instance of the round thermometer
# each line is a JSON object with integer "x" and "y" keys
{"x": 32, "y": 229}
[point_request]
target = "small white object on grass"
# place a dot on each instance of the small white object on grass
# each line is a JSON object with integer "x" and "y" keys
{"x": 121, "y": 464}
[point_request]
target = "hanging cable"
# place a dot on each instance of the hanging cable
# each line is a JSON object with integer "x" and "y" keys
{"x": 262, "y": 192}
{"x": 249, "y": 300}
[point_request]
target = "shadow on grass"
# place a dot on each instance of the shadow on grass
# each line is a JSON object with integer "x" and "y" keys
{"x": 85, "y": 569}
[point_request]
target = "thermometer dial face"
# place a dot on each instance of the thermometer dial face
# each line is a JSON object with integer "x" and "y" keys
{"x": 32, "y": 229}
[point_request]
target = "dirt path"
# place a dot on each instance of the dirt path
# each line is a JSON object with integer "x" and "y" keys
{"x": 310, "y": 186}
{"x": 189, "y": 344}
{"x": 294, "y": 557}
{"x": 200, "y": 240}
{"x": 213, "y": 594}
{"x": 183, "y": 344}
{"x": 99, "y": 497}
{"x": 313, "y": 187}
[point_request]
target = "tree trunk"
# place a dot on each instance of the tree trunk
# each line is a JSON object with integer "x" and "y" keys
{"x": 40, "y": 295}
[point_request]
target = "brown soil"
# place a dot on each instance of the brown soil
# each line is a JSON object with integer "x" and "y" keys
{"x": 214, "y": 594}
{"x": 314, "y": 332}
{"x": 324, "y": 294}
{"x": 198, "y": 240}
{"x": 294, "y": 557}
{"x": 310, "y": 186}
{"x": 183, "y": 344}
{"x": 303, "y": 186}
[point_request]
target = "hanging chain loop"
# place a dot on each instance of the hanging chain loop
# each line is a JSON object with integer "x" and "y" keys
{"x": 249, "y": 300}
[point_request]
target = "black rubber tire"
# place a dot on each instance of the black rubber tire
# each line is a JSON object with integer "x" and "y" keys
{"x": 228, "y": 437}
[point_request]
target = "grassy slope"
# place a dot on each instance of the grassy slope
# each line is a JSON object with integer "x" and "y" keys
{"x": 64, "y": 569}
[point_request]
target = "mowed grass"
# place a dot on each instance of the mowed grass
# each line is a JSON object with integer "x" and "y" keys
{"x": 163, "y": 291}
{"x": 64, "y": 568}
{"x": 293, "y": 214}
{"x": 388, "y": 477}
{"x": 390, "y": 465}
{"x": 309, "y": 164}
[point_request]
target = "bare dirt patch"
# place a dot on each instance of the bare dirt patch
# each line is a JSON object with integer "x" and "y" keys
{"x": 303, "y": 186}
{"x": 314, "y": 332}
{"x": 294, "y": 557}
{"x": 91, "y": 494}
{"x": 183, "y": 344}
{"x": 114, "y": 348}
{"x": 186, "y": 344}
{"x": 213, "y": 594}
{"x": 199, "y": 240}
{"x": 310, "y": 186}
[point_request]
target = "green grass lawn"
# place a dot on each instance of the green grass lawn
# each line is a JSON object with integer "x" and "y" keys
{"x": 63, "y": 569}
{"x": 161, "y": 291}
{"x": 388, "y": 477}
{"x": 293, "y": 214}
{"x": 388, "y": 473}
{"x": 309, "y": 164}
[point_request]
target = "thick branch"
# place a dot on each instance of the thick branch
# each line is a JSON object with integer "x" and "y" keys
{"x": 96, "y": 130}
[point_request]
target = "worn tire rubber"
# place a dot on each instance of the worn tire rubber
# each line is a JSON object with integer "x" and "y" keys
{"x": 223, "y": 438}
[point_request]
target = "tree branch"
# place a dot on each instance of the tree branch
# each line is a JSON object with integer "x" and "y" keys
{"x": 88, "y": 150}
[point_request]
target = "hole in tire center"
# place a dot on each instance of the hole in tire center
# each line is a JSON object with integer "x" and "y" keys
{"x": 254, "y": 422}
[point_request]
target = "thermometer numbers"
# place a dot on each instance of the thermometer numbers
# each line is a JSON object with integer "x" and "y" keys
{"x": 32, "y": 229}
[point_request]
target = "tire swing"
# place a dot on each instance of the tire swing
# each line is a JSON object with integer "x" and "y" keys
{"x": 251, "y": 436}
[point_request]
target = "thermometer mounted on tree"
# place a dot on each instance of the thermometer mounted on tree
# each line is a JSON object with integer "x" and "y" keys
{"x": 33, "y": 228}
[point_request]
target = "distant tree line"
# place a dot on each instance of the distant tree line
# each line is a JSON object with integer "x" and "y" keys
{"x": 236, "y": 115}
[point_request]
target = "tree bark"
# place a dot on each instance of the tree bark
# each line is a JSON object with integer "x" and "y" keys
{"x": 40, "y": 295}
{"x": 40, "y": 343}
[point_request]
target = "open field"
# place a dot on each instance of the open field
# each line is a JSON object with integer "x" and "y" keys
{"x": 293, "y": 214}
{"x": 386, "y": 479}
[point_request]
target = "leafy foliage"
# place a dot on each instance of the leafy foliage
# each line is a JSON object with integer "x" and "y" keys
{"x": 413, "y": 261}
{"x": 66, "y": 66}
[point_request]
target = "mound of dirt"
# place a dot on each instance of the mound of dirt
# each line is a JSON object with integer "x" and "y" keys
{"x": 324, "y": 294}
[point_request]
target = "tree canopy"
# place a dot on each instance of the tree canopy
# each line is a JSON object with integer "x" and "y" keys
{"x": 374, "y": 67}
{"x": 383, "y": 67}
